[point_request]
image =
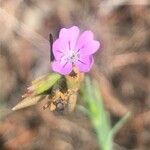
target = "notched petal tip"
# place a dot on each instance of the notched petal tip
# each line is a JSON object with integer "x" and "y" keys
{"x": 69, "y": 36}
{"x": 89, "y": 34}
{"x": 68, "y": 30}
{"x": 74, "y": 28}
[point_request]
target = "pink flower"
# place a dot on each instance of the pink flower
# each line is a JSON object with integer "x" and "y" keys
{"x": 71, "y": 50}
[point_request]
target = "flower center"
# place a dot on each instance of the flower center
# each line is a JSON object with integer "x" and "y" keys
{"x": 71, "y": 56}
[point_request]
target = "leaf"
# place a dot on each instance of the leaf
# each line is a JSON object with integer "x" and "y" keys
{"x": 97, "y": 112}
{"x": 118, "y": 126}
{"x": 98, "y": 115}
{"x": 36, "y": 90}
{"x": 29, "y": 101}
{"x": 44, "y": 83}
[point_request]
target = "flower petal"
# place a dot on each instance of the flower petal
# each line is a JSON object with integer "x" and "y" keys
{"x": 62, "y": 69}
{"x": 57, "y": 49}
{"x": 84, "y": 38}
{"x": 85, "y": 63}
{"x": 70, "y": 36}
{"x": 90, "y": 48}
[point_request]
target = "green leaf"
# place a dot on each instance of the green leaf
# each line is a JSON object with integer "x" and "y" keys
{"x": 118, "y": 126}
{"x": 98, "y": 115}
{"x": 45, "y": 83}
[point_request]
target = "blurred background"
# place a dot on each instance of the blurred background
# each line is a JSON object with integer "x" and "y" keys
{"x": 122, "y": 69}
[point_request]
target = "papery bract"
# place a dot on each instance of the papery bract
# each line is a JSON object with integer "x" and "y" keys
{"x": 74, "y": 50}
